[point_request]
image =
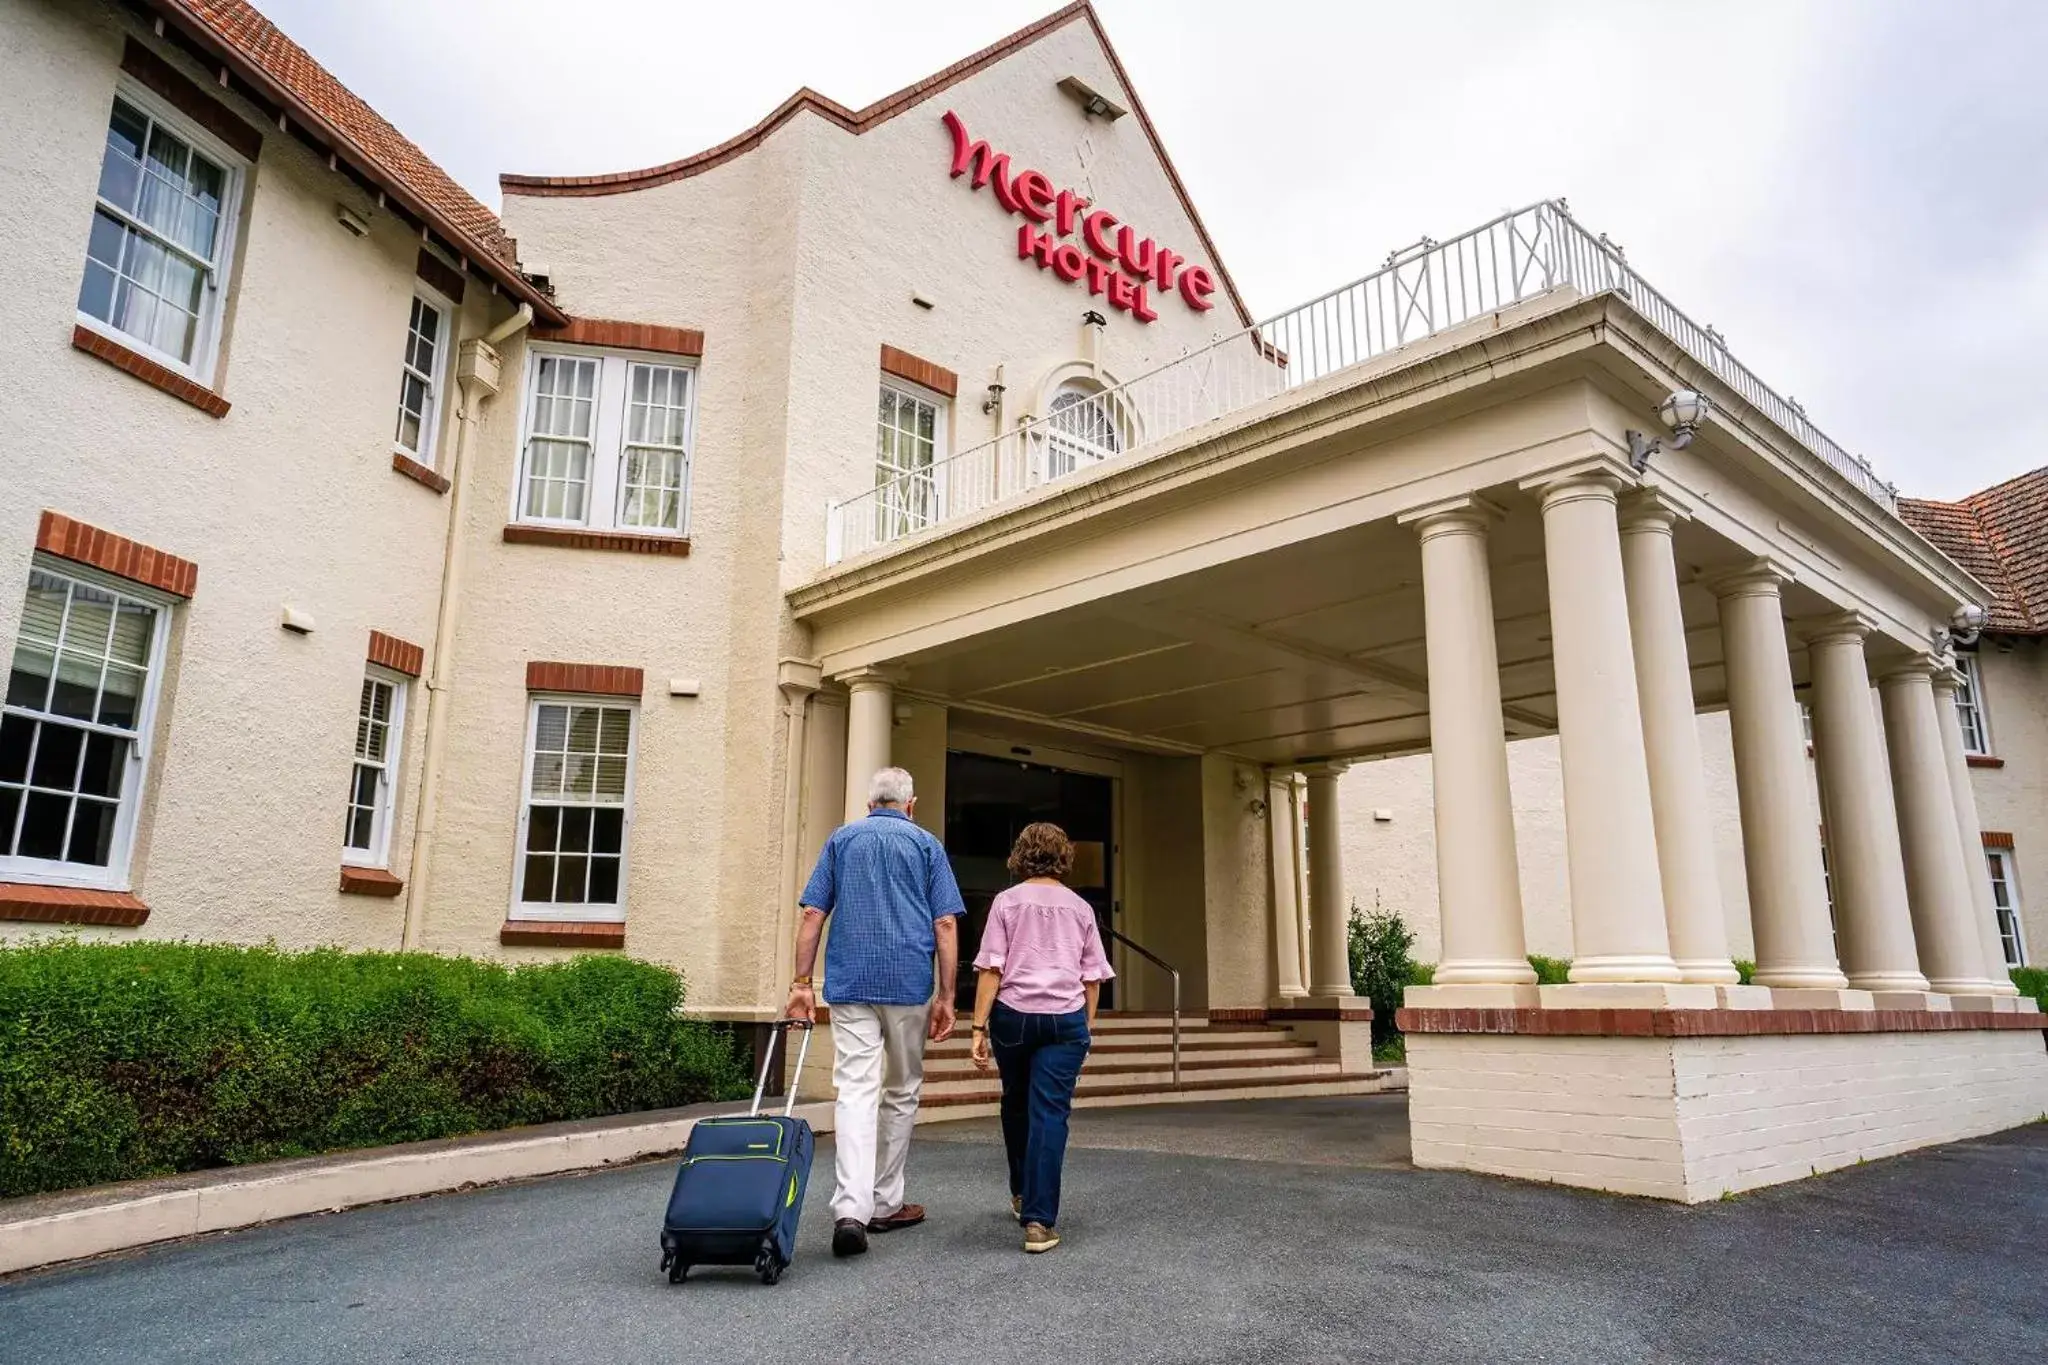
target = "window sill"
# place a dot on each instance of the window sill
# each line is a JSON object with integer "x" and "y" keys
{"x": 69, "y": 905}
{"x": 418, "y": 473}
{"x": 562, "y": 933}
{"x": 630, "y": 542}
{"x": 369, "y": 881}
{"x": 1983, "y": 761}
{"x": 150, "y": 372}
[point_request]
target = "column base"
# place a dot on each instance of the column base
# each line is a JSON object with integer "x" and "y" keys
{"x": 1474, "y": 971}
{"x": 1808, "y": 998}
{"x": 1491, "y": 995}
{"x": 1708, "y": 971}
{"x": 1801, "y": 978}
{"x": 1628, "y": 969}
{"x": 1963, "y": 985}
{"x": 1602, "y": 995}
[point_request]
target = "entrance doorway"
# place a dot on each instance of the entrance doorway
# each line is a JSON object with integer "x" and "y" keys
{"x": 989, "y": 800}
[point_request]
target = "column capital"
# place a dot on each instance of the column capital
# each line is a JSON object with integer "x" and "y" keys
{"x": 1325, "y": 767}
{"x": 1467, "y": 513}
{"x": 798, "y": 678}
{"x": 1847, "y": 627}
{"x": 1597, "y": 476}
{"x": 1922, "y": 667}
{"x": 1760, "y": 577}
{"x": 871, "y": 676}
{"x": 1651, "y": 508}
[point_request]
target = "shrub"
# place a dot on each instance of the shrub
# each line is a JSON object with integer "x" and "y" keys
{"x": 2032, "y": 981}
{"x": 1380, "y": 966}
{"x": 139, "y": 1059}
{"x": 1745, "y": 969}
{"x": 1551, "y": 971}
{"x": 1422, "y": 974}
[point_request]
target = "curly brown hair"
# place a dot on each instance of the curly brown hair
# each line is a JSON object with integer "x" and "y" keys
{"x": 1042, "y": 850}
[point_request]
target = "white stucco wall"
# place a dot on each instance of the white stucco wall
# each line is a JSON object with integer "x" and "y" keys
{"x": 2013, "y": 799}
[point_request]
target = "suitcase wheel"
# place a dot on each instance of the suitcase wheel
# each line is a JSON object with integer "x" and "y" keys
{"x": 769, "y": 1266}
{"x": 676, "y": 1270}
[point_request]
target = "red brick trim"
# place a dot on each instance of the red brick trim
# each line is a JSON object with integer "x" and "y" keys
{"x": 1997, "y": 838}
{"x": 597, "y": 680}
{"x": 189, "y": 99}
{"x": 1661, "y": 1023}
{"x": 69, "y": 905}
{"x": 418, "y": 473}
{"x": 157, "y": 376}
{"x": 1245, "y": 1016}
{"x": 1983, "y": 761}
{"x": 549, "y": 933}
{"x": 628, "y": 541}
{"x": 59, "y": 535}
{"x": 441, "y": 276}
{"x": 400, "y": 656}
{"x": 369, "y": 881}
{"x": 1325, "y": 1013}
{"x": 625, "y": 336}
{"x": 904, "y": 365}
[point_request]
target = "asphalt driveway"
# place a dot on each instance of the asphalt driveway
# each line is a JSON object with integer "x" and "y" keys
{"x": 1263, "y": 1231}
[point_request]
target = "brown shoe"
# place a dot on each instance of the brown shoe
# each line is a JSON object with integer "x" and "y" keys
{"x": 1017, "y": 1207}
{"x": 909, "y": 1216}
{"x": 1038, "y": 1237}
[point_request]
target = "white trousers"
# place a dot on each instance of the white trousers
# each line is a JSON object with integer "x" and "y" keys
{"x": 879, "y": 1068}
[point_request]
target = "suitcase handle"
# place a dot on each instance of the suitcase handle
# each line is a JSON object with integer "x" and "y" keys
{"x": 775, "y": 1031}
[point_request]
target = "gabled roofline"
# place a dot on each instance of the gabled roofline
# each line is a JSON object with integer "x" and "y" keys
{"x": 858, "y": 121}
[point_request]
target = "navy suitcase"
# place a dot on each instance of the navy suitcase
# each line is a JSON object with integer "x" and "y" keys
{"x": 740, "y": 1191}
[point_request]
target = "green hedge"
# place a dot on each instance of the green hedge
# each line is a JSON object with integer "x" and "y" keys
{"x": 141, "y": 1059}
{"x": 2032, "y": 981}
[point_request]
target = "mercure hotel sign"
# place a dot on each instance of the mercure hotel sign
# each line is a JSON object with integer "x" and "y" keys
{"x": 1117, "y": 263}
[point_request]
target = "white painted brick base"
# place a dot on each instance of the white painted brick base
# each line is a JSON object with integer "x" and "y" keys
{"x": 1693, "y": 1118}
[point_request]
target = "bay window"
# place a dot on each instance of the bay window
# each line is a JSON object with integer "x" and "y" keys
{"x": 573, "y": 820}
{"x": 606, "y": 444}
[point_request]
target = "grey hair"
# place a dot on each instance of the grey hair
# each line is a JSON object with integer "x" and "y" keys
{"x": 890, "y": 787}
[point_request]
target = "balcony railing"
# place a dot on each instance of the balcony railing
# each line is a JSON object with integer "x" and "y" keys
{"x": 1420, "y": 291}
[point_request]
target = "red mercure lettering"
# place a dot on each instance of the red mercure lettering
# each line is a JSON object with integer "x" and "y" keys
{"x": 1098, "y": 277}
{"x": 1068, "y": 206}
{"x": 1067, "y": 261}
{"x": 1137, "y": 256}
{"x": 1196, "y": 285}
{"x": 1095, "y": 231}
{"x": 1141, "y": 306}
{"x": 989, "y": 165}
{"x": 1034, "y": 195}
{"x": 1164, "y": 266}
{"x": 1032, "y": 244}
{"x": 1121, "y": 291}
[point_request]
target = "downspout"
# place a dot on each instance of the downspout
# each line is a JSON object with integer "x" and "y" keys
{"x": 478, "y": 373}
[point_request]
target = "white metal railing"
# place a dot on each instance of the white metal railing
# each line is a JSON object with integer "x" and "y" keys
{"x": 1421, "y": 290}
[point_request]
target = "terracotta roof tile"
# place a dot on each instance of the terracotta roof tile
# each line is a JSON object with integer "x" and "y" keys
{"x": 2001, "y": 536}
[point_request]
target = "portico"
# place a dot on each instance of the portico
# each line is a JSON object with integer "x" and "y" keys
{"x": 1441, "y": 549}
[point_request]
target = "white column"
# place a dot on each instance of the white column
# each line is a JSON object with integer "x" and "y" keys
{"x": 1617, "y": 894}
{"x": 1297, "y": 833}
{"x": 1937, "y": 887}
{"x": 1780, "y": 832}
{"x": 1330, "y": 955}
{"x": 1286, "y": 915}
{"x": 1873, "y": 926}
{"x": 1693, "y": 912}
{"x": 1479, "y": 889}
{"x": 870, "y": 723}
{"x": 1963, "y": 796}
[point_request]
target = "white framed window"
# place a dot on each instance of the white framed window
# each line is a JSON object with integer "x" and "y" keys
{"x": 607, "y": 442}
{"x": 421, "y": 372}
{"x": 75, "y": 725}
{"x": 372, "y": 778}
{"x": 910, "y": 444}
{"x": 156, "y": 259}
{"x": 576, "y": 809}
{"x": 1081, "y": 429}
{"x": 1970, "y": 713}
{"x": 2005, "y": 901}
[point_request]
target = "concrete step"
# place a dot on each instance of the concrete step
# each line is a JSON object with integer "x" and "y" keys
{"x": 937, "y": 1063}
{"x": 1234, "y": 1036}
{"x": 984, "y": 1104}
{"x": 1095, "y": 1080}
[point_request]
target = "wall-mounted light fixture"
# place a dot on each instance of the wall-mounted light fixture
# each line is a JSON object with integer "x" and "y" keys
{"x": 1684, "y": 411}
{"x": 1964, "y": 626}
{"x": 995, "y": 397}
{"x": 1091, "y": 318}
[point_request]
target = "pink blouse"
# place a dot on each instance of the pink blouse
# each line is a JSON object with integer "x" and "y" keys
{"x": 1042, "y": 938}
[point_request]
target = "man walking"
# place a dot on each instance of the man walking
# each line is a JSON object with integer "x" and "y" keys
{"x": 889, "y": 890}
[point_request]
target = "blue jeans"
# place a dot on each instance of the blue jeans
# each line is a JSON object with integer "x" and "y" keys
{"x": 1039, "y": 1057}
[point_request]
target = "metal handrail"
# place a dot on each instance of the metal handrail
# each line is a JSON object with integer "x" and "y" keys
{"x": 1142, "y": 951}
{"x": 1421, "y": 290}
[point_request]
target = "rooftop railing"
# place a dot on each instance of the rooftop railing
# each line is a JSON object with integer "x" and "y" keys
{"x": 1420, "y": 291}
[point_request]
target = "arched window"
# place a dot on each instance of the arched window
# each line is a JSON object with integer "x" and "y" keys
{"x": 1081, "y": 429}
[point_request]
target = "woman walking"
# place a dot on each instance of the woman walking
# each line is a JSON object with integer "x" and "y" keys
{"x": 1042, "y": 969}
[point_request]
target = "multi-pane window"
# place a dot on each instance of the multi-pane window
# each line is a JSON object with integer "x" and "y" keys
{"x": 72, "y": 728}
{"x": 908, "y": 437}
{"x": 1081, "y": 430}
{"x": 380, "y": 722}
{"x": 572, "y": 836}
{"x": 607, "y": 443}
{"x": 419, "y": 381}
{"x": 155, "y": 256}
{"x": 1970, "y": 706}
{"x": 2005, "y": 901}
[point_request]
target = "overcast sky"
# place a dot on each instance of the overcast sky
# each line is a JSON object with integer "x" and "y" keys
{"x": 1854, "y": 191}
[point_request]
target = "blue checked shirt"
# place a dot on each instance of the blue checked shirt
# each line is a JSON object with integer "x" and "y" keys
{"x": 886, "y": 883}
